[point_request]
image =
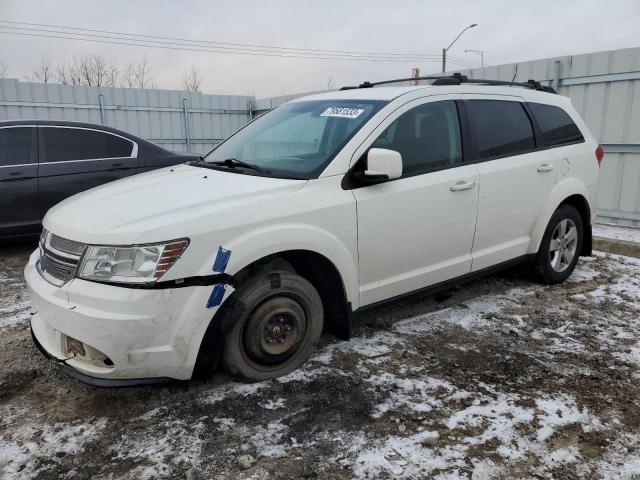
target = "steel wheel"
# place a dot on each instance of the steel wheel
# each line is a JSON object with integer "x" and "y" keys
{"x": 563, "y": 245}
{"x": 275, "y": 330}
{"x": 272, "y": 323}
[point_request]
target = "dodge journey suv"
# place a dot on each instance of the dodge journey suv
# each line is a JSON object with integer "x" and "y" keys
{"x": 325, "y": 206}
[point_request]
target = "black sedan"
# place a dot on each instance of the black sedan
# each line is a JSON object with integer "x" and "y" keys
{"x": 43, "y": 162}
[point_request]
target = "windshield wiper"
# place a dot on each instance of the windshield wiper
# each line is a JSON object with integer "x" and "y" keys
{"x": 235, "y": 163}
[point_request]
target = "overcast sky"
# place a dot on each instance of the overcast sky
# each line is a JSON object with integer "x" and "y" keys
{"x": 507, "y": 31}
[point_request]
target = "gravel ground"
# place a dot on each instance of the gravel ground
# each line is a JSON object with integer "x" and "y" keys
{"x": 502, "y": 378}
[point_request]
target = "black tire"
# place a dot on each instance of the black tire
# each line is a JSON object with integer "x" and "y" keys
{"x": 549, "y": 268}
{"x": 272, "y": 325}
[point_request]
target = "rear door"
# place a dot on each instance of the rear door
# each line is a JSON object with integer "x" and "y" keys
{"x": 75, "y": 159}
{"x": 19, "y": 209}
{"x": 515, "y": 177}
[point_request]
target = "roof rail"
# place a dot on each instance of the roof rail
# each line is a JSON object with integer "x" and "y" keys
{"x": 457, "y": 79}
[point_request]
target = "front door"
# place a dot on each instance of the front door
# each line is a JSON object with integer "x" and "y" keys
{"x": 417, "y": 230}
{"x": 19, "y": 212}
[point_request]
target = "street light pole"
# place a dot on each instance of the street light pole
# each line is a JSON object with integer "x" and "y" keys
{"x": 481, "y": 53}
{"x": 445, "y": 50}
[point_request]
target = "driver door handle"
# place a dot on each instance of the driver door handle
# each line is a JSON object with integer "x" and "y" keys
{"x": 462, "y": 185}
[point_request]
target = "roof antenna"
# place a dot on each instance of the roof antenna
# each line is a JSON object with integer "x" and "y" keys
{"x": 515, "y": 73}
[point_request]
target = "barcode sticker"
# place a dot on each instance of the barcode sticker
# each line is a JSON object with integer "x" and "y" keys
{"x": 342, "y": 112}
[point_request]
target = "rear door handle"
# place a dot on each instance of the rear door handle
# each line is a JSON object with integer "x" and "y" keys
{"x": 545, "y": 167}
{"x": 462, "y": 185}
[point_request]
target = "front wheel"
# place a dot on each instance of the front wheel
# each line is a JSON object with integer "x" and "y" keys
{"x": 561, "y": 245}
{"x": 277, "y": 322}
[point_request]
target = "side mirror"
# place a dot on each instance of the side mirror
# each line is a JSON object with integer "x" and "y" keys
{"x": 383, "y": 164}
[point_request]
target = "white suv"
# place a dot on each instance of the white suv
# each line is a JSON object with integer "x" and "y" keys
{"x": 323, "y": 207}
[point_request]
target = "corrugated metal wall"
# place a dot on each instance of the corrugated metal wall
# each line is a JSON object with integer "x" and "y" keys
{"x": 264, "y": 104}
{"x": 157, "y": 115}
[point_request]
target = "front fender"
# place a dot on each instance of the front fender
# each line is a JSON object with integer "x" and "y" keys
{"x": 257, "y": 244}
{"x": 561, "y": 191}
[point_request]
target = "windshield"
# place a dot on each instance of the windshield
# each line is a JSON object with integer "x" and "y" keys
{"x": 296, "y": 140}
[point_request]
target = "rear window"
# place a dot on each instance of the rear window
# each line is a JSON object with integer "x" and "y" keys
{"x": 15, "y": 146}
{"x": 556, "y": 125}
{"x": 64, "y": 144}
{"x": 499, "y": 127}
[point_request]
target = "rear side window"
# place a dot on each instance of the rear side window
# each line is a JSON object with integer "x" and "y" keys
{"x": 15, "y": 146}
{"x": 556, "y": 125}
{"x": 64, "y": 144}
{"x": 499, "y": 127}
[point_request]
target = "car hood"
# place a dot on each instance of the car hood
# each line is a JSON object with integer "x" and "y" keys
{"x": 160, "y": 205}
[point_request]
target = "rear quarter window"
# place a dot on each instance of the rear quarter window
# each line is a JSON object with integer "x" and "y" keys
{"x": 118, "y": 146}
{"x": 556, "y": 125}
{"x": 499, "y": 128}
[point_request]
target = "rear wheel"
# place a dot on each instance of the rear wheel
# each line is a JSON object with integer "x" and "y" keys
{"x": 275, "y": 321}
{"x": 561, "y": 245}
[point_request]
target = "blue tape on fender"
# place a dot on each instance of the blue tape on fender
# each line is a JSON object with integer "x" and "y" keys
{"x": 222, "y": 258}
{"x": 216, "y": 295}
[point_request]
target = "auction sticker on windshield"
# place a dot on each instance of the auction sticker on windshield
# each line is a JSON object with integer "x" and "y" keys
{"x": 342, "y": 112}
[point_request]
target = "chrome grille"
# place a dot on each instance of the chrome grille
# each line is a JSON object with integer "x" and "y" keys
{"x": 64, "y": 271}
{"x": 59, "y": 258}
{"x": 65, "y": 245}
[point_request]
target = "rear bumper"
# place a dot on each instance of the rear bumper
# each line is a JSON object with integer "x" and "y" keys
{"x": 109, "y": 335}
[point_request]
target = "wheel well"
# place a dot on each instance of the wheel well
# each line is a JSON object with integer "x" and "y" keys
{"x": 580, "y": 203}
{"x": 325, "y": 278}
{"x": 317, "y": 269}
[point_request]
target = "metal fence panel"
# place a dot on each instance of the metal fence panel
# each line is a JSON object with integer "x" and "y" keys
{"x": 156, "y": 115}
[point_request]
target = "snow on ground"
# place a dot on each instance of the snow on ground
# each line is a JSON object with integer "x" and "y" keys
{"x": 616, "y": 232}
{"x": 502, "y": 378}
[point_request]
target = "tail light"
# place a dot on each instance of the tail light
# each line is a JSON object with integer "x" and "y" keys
{"x": 599, "y": 155}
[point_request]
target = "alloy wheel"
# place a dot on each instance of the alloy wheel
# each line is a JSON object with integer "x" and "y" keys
{"x": 564, "y": 244}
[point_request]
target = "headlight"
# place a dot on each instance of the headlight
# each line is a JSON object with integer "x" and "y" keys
{"x": 135, "y": 264}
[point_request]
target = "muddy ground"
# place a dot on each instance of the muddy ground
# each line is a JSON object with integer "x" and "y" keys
{"x": 502, "y": 378}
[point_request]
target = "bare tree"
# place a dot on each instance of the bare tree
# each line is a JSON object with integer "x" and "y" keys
{"x": 68, "y": 72}
{"x": 138, "y": 75}
{"x": 94, "y": 70}
{"x": 128, "y": 78}
{"x": 112, "y": 77}
{"x": 62, "y": 73}
{"x": 192, "y": 79}
{"x": 85, "y": 70}
{"x": 43, "y": 71}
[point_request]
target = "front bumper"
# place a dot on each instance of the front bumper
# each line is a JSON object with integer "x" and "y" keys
{"x": 115, "y": 336}
{"x": 95, "y": 381}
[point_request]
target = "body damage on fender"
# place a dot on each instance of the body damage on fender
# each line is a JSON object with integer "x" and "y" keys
{"x": 219, "y": 265}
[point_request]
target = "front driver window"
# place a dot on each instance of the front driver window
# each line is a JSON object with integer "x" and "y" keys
{"x": 427, "y": 137}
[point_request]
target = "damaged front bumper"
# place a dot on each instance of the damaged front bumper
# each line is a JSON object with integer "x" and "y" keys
{"x": 95, "y": 381}
{"x": 109, "y": 335}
